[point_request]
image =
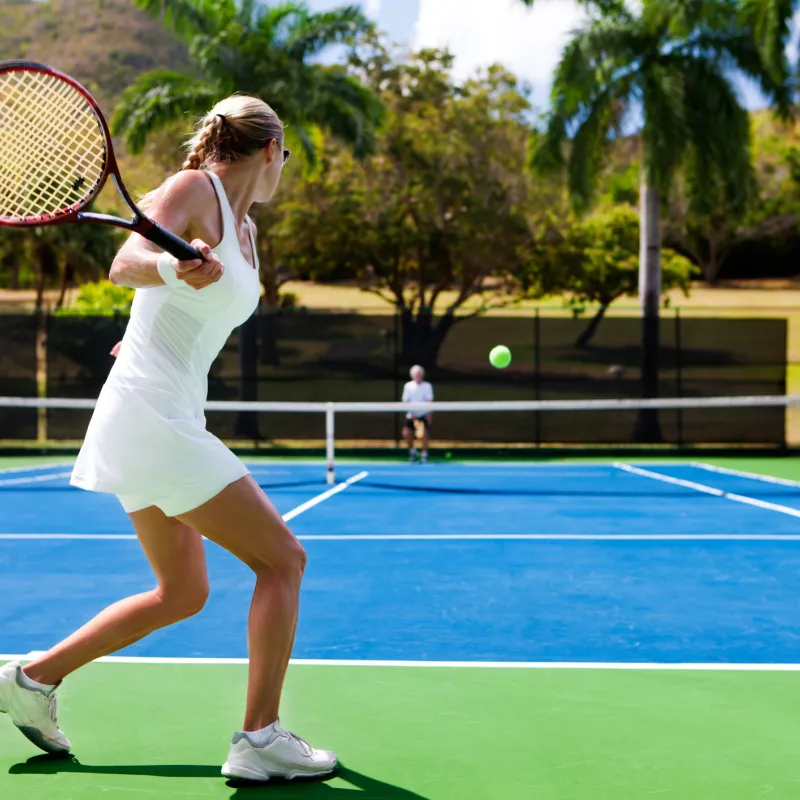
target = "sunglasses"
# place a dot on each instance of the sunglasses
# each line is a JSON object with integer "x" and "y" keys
{"x": 287, "y": 154}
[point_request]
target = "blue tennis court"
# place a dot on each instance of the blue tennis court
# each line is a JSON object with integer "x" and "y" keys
{"x": 562, "y": 562}
{"x": 567, "y": 630}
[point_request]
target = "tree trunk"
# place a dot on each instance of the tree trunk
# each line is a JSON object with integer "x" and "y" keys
{"x": 247, "y": 421}
{"x": 45, "y": 262}
{"x": 421, "y": 339}
{"x": 590, "y": 330}
{"x": 648, "y": 428}
{"x": 65, "y": 275}
{"x": 714, "y": 262}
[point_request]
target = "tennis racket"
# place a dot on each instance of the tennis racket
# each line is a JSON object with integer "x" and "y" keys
{"x": 56, "y": 155}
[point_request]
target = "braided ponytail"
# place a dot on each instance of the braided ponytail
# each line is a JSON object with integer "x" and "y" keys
{"x": 234, "y": 130}
{"x": 204, "y": 140}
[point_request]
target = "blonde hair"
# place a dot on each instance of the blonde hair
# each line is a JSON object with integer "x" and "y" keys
{"x": 235, "y": 129}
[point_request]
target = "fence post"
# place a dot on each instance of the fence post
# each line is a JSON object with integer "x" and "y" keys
{"x": 679, "y": 371}
{"x": 329, "y": 442}
{"x": 537, "y": 372}
{"x": 396, "y": 371}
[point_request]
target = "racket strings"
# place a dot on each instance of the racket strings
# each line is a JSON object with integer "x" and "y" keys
{"x": 52, "y": 147}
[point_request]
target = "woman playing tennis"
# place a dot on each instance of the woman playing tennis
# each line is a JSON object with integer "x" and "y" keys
{"x": 148, "y": 444}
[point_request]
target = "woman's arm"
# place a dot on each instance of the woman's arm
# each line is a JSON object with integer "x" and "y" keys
{"x": 180, "y": 206}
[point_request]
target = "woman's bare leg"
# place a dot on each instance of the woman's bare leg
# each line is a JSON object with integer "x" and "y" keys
{"x": 243, "y": 521}
{"x": 177, "y": 556}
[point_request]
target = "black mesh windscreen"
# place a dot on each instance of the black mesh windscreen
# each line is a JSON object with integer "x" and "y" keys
{"x": 17, "y": 373}
{"x": 296, "y": 356}
{"x": 78, "y": 362}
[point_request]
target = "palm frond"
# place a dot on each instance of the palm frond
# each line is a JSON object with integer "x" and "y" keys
{"x": 588, "y": 146}
{"x": 734, "y": 47}
{"x": 719, "y": 137}
{"x": 156, "y": 100}
{"x": 770, "y": 22}
{"x": 343, "y": 106}
{"x": 606, "y": 8}
{"x": 546, "y": 152}
{"x": 317, "y": 31}
{"x": 187, "y": 18}
{"x": 665, "y": 128}
{"x": 596, "y": 56}
{"x": 274, "y": 24}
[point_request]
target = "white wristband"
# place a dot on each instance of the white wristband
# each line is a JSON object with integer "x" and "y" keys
{"x": 166, "y": 269}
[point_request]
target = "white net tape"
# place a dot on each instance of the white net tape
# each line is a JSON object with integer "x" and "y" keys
{"x": 52, "y": 146}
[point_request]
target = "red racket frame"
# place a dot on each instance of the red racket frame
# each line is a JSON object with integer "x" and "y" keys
{"x": 139, "y": 224}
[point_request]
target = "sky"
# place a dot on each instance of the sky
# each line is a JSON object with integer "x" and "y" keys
{"x": 481, "y": 32}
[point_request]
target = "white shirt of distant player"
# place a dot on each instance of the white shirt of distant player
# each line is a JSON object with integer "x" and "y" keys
{"x": 414, "y": 392}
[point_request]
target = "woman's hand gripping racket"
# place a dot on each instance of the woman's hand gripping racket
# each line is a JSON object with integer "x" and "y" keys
{"x": 56, "y": 154}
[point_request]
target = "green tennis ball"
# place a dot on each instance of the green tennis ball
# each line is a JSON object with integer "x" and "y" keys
{"x": 500, "y": 356}
{"x": 448, "y": 455}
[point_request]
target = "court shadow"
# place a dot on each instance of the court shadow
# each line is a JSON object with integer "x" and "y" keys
{"x": 366, "y": 788}
{"x": 53, "y": 765}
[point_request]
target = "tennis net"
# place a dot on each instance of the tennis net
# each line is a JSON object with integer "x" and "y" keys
{"x": 458, "y": 427}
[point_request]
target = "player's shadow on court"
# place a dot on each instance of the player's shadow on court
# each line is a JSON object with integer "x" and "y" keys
{"x": 366, "y": 788}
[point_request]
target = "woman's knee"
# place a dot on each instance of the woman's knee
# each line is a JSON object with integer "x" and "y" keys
{"x": 288, "y": 562}
{"x": 181, "y": 601}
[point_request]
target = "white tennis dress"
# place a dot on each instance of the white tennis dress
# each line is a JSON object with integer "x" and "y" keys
{"x": 147, "y": 440}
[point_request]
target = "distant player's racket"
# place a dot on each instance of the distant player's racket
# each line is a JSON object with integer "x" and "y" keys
{"x": 56, "y": 154}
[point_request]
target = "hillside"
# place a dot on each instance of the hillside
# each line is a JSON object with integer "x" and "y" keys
{"x": 103, "y": 43}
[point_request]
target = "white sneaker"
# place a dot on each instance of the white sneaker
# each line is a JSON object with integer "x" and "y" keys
{"x": 31, "y": 710}
{"x": 285, "y": 756}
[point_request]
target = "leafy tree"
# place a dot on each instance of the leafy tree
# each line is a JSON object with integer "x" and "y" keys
{"x": 443, "y": 206}
{"x": 770, "y": 218}
{"x": 598, "y": 259}
{"x": 57, "y": 256}
{"x": 672, "y": 61}
{"x": 101, "y": 298}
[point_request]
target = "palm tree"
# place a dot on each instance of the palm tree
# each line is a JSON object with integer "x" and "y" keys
{"x": 272, "y": 52}
{"x": 667, "y": 63}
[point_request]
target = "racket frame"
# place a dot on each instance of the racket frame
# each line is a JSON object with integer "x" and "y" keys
{"x": 139, "y": 223}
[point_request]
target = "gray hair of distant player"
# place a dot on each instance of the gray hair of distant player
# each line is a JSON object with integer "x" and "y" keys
{"x": 417, "y": 368}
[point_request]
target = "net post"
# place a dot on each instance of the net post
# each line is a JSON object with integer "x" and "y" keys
{"x": 329, "y": 442}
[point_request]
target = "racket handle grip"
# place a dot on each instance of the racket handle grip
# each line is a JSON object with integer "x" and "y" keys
{"x": 173, "y": 244}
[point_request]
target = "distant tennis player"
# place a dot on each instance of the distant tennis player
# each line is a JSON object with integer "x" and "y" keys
{"x": 148, "y": 444}
{"x": 417, "y": 390}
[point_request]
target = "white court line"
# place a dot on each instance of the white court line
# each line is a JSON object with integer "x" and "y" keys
{"x": 700, "y": 487}
{"x": 324, "y": 662}
{"x": 557, "y": 537}
{"x": 35, "y": 467}
{"x": 36, "y": 479}
{"x": 68, "y": 536}
{"x": 468, "y": 537}
{"x": 742, "y": 474}
{"x": 295, "y": 512}
{"x": 314, "y": 501}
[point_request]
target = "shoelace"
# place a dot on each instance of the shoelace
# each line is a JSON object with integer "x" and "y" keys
{"x": 305, "y": 747}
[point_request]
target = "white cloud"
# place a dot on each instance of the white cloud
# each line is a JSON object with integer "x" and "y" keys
{"x": 528, "y": 42}
{"x": 372, "y": 8}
